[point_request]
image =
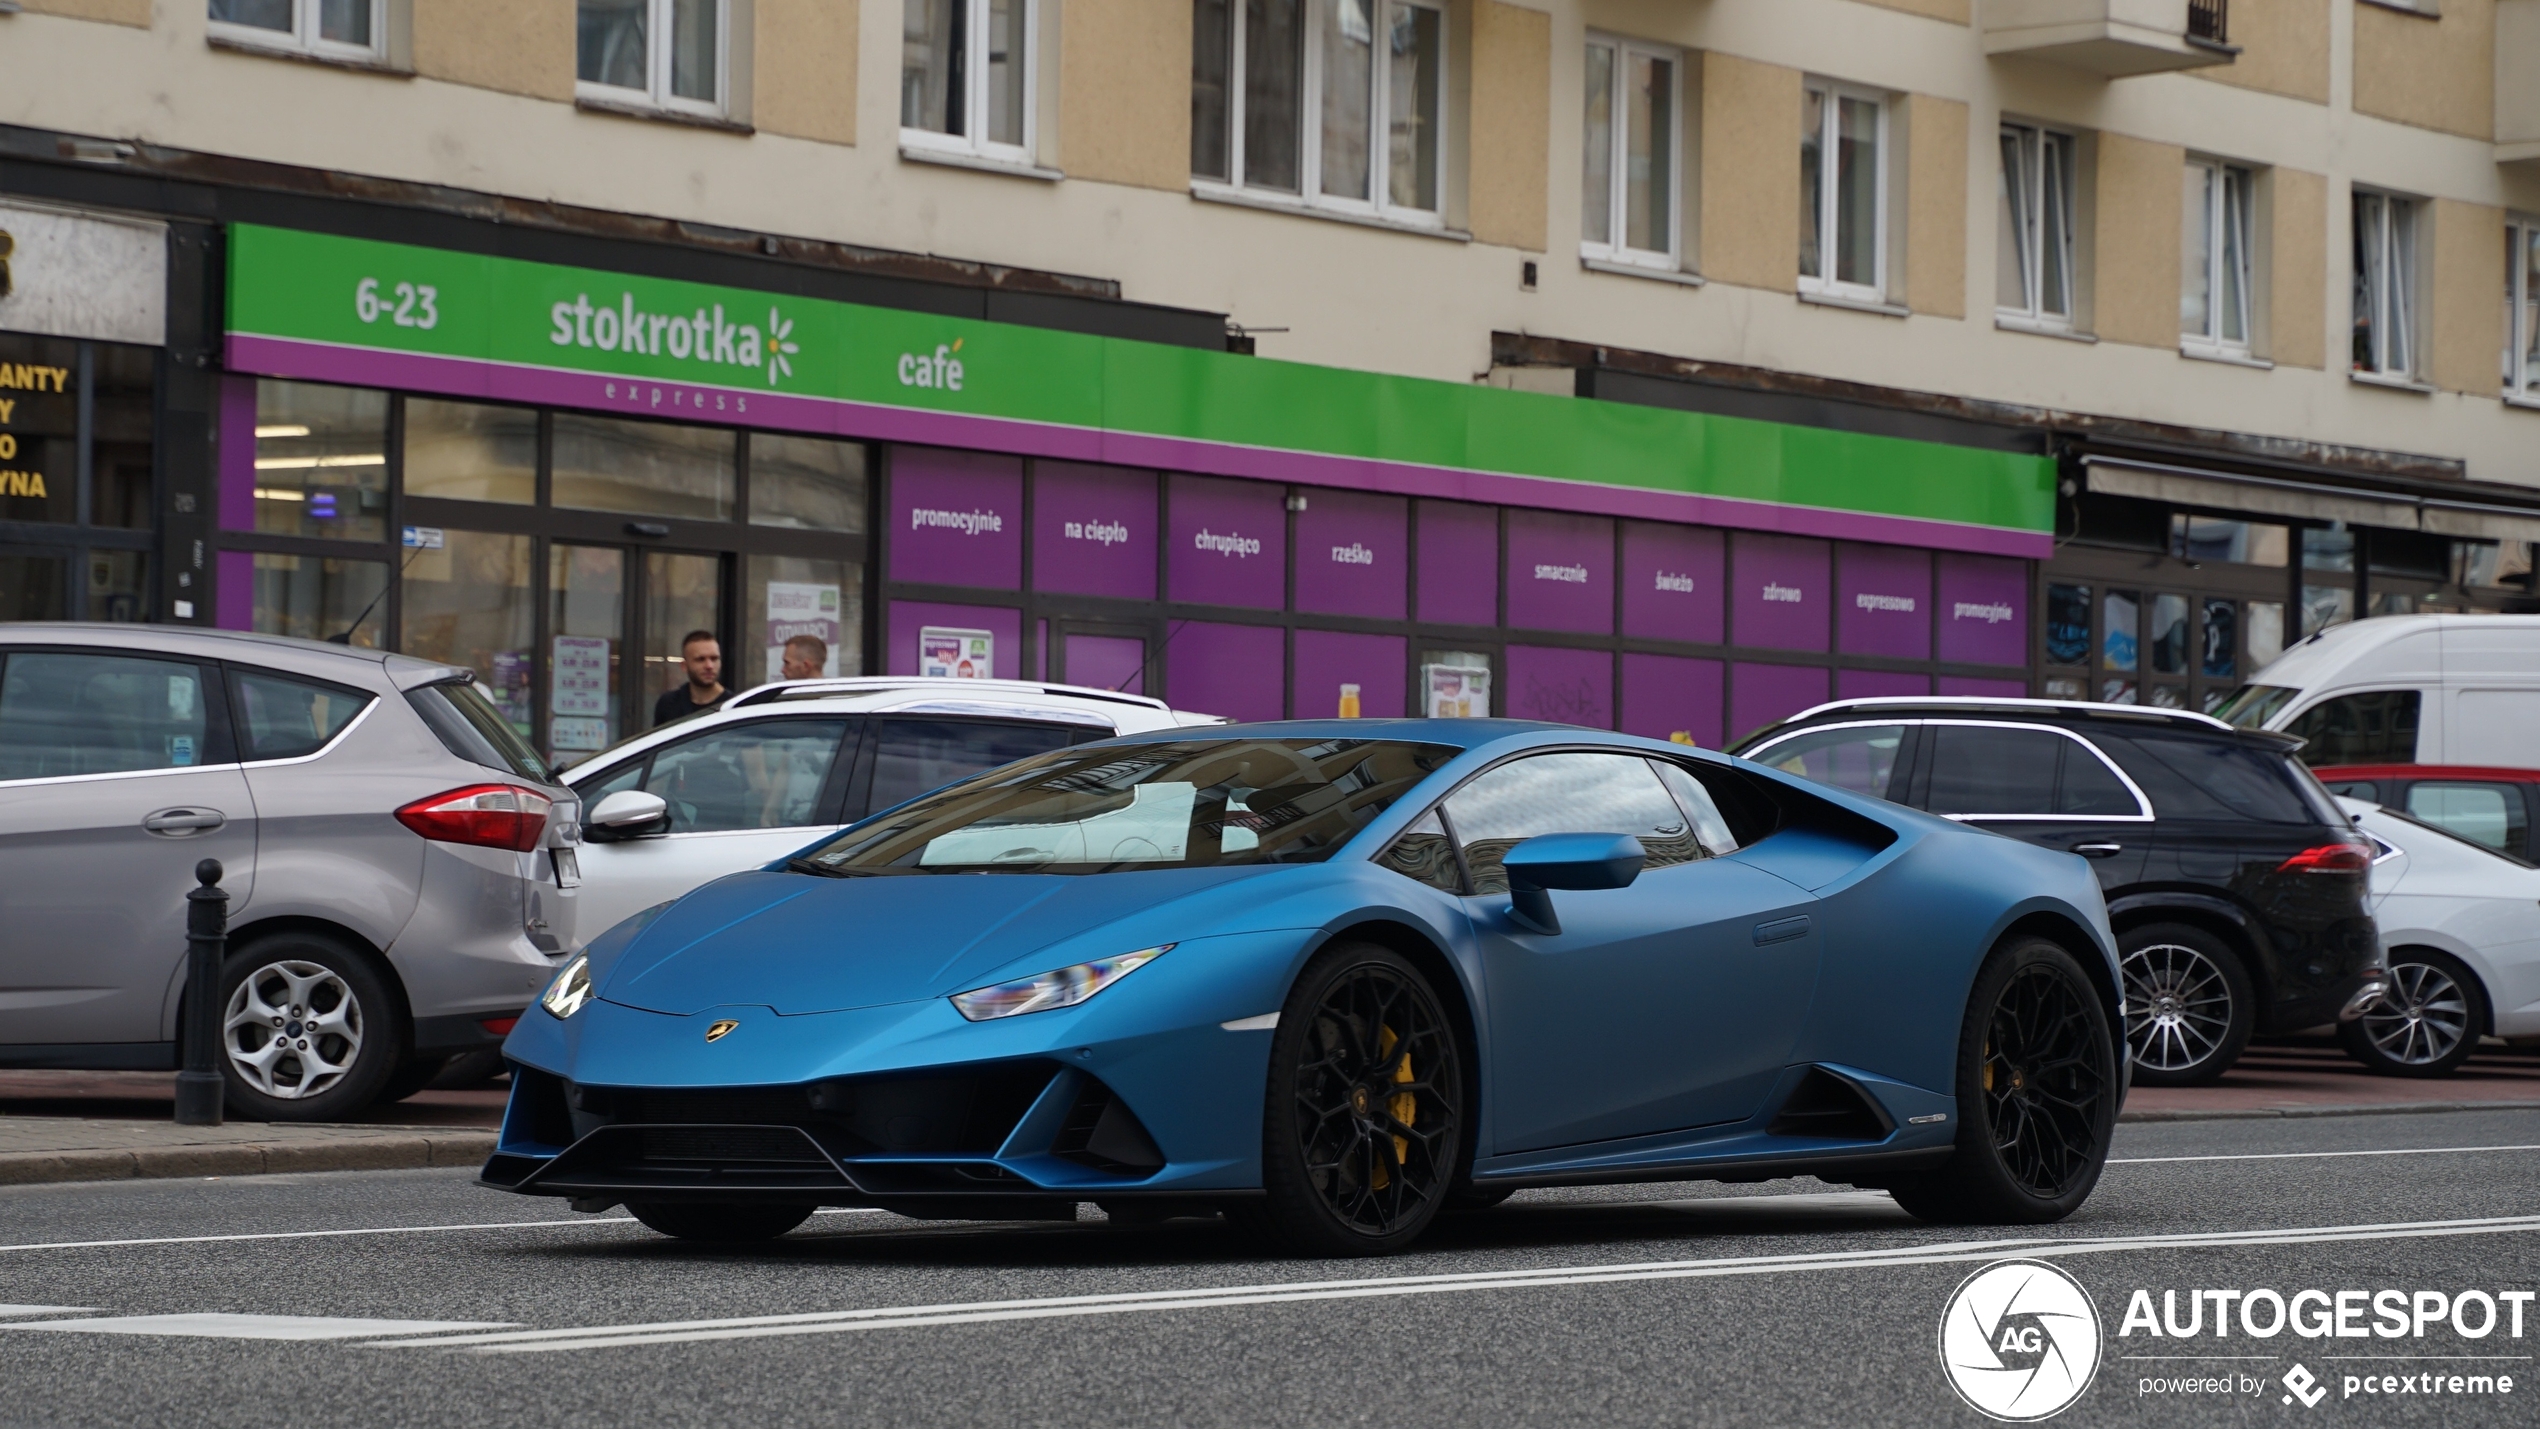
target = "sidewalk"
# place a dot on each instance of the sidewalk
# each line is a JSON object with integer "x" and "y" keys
{"x": 112, "y": 1126}
{"x": 2314, "y": 1077}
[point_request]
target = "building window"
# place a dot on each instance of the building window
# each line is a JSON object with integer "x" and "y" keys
{"x": 341, "y": 29}
{"x": 1628, "y": 188}
{"x": 2035, "y": 281}
{"x": 1336, "y": 103}
{"x": 1843, "y": 193}
{"x": 2213, "y": 299}
{"x": 966, "y": 81}
{"x": 2385, "y": 285}
{"x": 662, "y": 54}
{"x": 2522, "y": 310}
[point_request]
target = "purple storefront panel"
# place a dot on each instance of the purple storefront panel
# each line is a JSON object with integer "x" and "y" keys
{"x": 908, "y": 617}
{"x": 1983, "y": 689}
{"x": 1563, "y": 686}
{"x": 1666, "y": 695}
{"x": 1093, "y": 530}
{"x": 1761, "y": 694}
{"x": 1871, "y": 684}
{"x": 1560, "y": 572}
{"x": 1229, "y": 543}
{"x": 1983, "y": 610}
{"x": 1107, "y": 662}
{"x": 956, "y": 518}
{"x": 1779, "y": 594}
{"x": 235, "y": 604}
{"x": 1459, "y": 563}
{"x": 1349, "y": 554}
{"x": 1329, "y": 659}
{"x": 1230, "y": 670}
{"x": 1671, "y": 583}
{"x": 237, "y": 455}
{"x": 1883, "y": 602}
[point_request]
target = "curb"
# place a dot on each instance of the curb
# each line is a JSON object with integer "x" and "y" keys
{"x": 2388, "y": 1109}
{"x": 248, "y": 1158}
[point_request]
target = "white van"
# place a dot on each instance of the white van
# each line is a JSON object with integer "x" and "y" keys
{"x": 2406, "y": 689}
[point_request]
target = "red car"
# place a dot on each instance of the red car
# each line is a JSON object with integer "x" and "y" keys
{"x": 2499, "y": 808}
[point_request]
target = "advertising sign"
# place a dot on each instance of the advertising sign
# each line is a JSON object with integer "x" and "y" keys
{"x": 578, "y": 693}
{"x": 801, "y": 608}
{"x": 1456, "y": 691}
{"x": 947, "y": 654}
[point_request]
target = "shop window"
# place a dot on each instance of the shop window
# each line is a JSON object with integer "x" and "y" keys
{"x": 123, "y": 392}
{"x": 336, "y": 29}
{"x": 643, "y": 468}
{"x": 32, "y": 587}
{"x": 1843, "y": 192}
{"x": 2068, "y": 625}
{"x": 2379, "y": 727}
{"x": 1333, "y": 103}
{"x": 470, "y": 602}
{"x": 2034, "y": 279}
{"x": 80, "y": 538}
{"x": 2386, "y": 278}
{"x": 813, "y": 607}
{"x": 660, "y": 54}
{"x": 2169, "y": 636}
{"x": 2214, "y": 292}
{"x": 1628, "y": 185}
{"x": 966, "y": 80}
{"x": 2328, "y": 577}
{"x": 586, "y": 621}
{"x": 2219, "y": 657}
{"x": 1455, "y": 684}
{"x": 807, "y": 483}
{"x": 464, "y": 451}
{"x": 321, "y": 461}
{"x": 39, "y": 430}
{"x": 2216, "y": 540}
{"x": 2120, "y": 636}
{"x": 2522, "y": 310}
{"x": 115, "y": 588}
{"x": 319, "y": 598}
{"x": 2266, "y": 632}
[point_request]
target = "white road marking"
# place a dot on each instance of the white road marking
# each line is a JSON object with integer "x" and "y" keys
{"x": 981, "y": 1312}
{"x": 2305, "y": 1155}
{"x": 260, "y": 1327}
{"x": 366, "y": 1230}
{"x": 12, "y": 1311}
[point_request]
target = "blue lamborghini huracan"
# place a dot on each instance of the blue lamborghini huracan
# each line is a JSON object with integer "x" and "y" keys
{"x": 1330, "y": 979}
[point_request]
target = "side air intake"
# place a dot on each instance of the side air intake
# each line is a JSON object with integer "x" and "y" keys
{"x": 1828, "y": 1107}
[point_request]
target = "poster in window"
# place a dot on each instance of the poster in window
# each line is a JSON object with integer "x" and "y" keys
{"x": 1457, "y": 691}
{"x": 946, "y": 653}
{"x": 579, "y": 695}
{"x": 798, "y": 608}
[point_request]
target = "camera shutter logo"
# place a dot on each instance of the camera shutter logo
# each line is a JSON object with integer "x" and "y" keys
{"x": 2020, "y": 1340}
{"x": 8, "y": 249}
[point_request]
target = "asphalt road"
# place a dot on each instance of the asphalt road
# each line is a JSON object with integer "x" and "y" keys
{"x": 1784, "y": 1303}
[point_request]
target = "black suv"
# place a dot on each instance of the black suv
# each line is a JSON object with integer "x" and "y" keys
{"x": 2235, "y": 885}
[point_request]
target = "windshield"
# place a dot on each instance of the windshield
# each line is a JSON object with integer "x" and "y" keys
{"x": 2251, "y": 706}
{"x": 1113, "y": 807}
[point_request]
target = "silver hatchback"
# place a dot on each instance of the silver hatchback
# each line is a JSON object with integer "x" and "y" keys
{"x": 400, "y": 864}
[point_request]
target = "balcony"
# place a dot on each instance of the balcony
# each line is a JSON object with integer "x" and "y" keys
{"x": 2114, "y": 38}
{"x": 2518, "y": 83}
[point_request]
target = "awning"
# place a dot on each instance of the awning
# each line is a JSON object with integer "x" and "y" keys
{"x": 2276, "y": 496}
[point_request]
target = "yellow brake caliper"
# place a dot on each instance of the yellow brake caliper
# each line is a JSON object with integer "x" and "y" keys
{"x": 1404, "y": 1106}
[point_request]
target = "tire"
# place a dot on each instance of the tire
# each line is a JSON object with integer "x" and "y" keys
{"x": 720, "y": 1222}
{"x": 2189, "y": 1004}
{"x": 1363, "y": 1126}
{"x": 311, "y": 1030}
{"x": 2427, "y": 1024}
{"x": 2037, "y": 1096}
{"x": 413, "y": 1076}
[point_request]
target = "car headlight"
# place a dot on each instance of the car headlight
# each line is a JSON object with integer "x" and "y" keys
{"x": 571, "y": 989}
{"x": 1063, "y": 988}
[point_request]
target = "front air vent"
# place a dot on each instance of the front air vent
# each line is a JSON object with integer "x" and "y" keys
{"x": 1101, "y": 1132}
{"x": 1828, "y": 1107}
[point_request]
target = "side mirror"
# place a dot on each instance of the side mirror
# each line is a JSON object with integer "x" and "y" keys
{"x": 626, "y": 814}
{"x": 1573, "y": 862}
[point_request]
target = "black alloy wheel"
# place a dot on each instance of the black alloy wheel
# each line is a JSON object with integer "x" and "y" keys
{"x": 722, "y": 1222}
{"x": 2189, "y": 1004}
{"x": 2427, "y": 1024}
{"x": 2037, "y": 1096}
{"x": 1363, "y": 1128}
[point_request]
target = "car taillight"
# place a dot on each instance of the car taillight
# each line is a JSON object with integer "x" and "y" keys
{"x": 2338, "y": 857}
{"x": 487, "y": 815}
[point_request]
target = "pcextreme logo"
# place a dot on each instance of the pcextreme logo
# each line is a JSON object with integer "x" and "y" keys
{"x": 2019, "y": 1341}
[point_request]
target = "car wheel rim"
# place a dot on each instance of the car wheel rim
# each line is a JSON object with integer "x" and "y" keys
{"x": 2178, "y": 1006}
{"x": 2422, "y": 1019}
{"x": 294, "y": 1030}
{"x": 2045, "y": 1087}
{"x": 1376, "y": 1094}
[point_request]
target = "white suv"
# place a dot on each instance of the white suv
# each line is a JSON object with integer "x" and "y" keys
{"x": 784, "y": 764}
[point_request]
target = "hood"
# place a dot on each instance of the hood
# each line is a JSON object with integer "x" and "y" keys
{"x": 797, "y": 943}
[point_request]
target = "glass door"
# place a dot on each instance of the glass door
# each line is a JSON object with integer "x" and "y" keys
{"x": 586, "y": 640}
{"x": 683, "y": 596}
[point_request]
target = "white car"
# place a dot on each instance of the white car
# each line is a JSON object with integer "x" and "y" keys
{"x": 784, "y": 764}
{"x": 2460, "y": 924}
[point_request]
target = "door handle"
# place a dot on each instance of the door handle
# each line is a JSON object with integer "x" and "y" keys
{"x": 2098, "y": 850}
{"x": 178, "y": 823}
{"x": 1781, "y": 930}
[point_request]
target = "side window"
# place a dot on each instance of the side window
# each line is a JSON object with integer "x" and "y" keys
{"x": 64, "y": 714}
{"x": 913, "y": 756}
{"x": 1565, "y": 794}
{"x": 2090, "y": 789}
{"x": 2488, "y": 814}
{"x": 1709, "y": 825}
{"x": 1423, "y": 853}
{"x": 1992, "y": 769}
{"x": 1861, "y": 758}
{"x": 2379, "y": 727}
{"x": 765, "y": 775}
{"x": 626, "y": 776}
{"x": 2210, "y": 779}
{"x": 283, "y": 718}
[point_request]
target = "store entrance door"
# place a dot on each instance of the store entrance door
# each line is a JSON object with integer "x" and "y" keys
{"x": 605, "y": 601}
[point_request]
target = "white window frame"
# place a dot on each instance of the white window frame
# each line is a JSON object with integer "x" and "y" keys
{"x": 1309, "y": 194}
{"x": 2219, "y": 175}
{"x": 2032, "y": 259}
{"x": 2522, "y": 311}
{"x": 302, "y": 38}
{"x": 1618, "y": 129}
{"x": 657, "y": 62}
{"x": 2399, "y": 291}
{"x": 1829, "y": 175}
{"x": 974, "y": 100}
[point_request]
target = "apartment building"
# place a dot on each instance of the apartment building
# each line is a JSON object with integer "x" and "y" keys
{"x": 1659, "y": 364}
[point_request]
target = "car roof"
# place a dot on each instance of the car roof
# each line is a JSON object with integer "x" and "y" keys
{"x": 2429, "y": 771}
{"x": 319, "y": 658}
{"x": 852, "y": 685}
{"x": 2072, "y": 711}
{"x": 1465, "y": 734}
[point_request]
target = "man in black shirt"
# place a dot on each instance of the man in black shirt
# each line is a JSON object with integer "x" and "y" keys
{"x": 702, "y": 657}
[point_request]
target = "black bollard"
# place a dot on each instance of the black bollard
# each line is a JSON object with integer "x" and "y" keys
{"x": 198, "y": 1086}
